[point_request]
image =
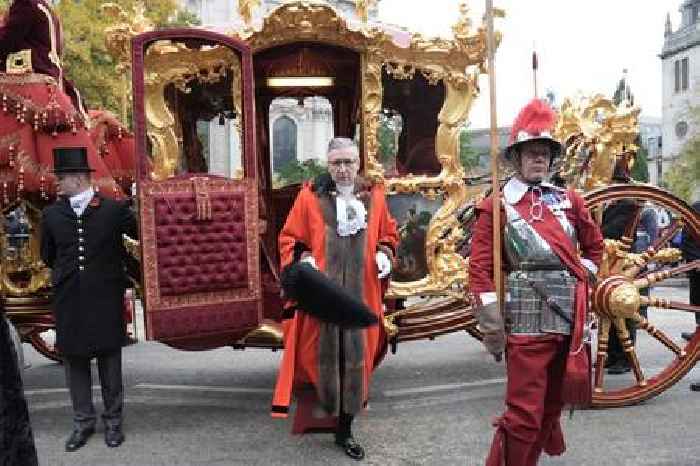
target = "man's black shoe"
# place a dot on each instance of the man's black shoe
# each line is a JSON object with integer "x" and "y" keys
{"x": 351, "y": 448}
{"x": 78, "y": 438}
{"x": 113, "y": 436}
{"x": 620, "y": 367}
{"x": 687, "y": 336}
{"x": 695, "y": 386}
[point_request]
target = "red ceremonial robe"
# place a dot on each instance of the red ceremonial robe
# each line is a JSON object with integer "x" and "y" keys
{"x": 300, "y": 363}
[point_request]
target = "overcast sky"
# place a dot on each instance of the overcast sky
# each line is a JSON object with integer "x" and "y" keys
{"x": 583, "y": 45}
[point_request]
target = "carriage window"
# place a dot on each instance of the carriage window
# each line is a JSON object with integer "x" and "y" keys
{"x": 300, "y": 129}
{"x": 411, "y": 104}
{"x": 193, "y": 110}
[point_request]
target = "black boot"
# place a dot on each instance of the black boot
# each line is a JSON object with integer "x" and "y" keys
{"x": 345, "y": 440}
{"x": 78, "y": 438}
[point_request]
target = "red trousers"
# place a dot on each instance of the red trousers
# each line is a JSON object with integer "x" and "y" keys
{"x": 530, "y": 424}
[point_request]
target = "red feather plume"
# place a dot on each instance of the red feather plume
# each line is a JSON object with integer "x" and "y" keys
{"x": 535, "y": 118}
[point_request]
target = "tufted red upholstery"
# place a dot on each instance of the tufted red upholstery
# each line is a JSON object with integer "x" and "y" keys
{"x": 204, "y": 321}
{"x": 200, "y": 256}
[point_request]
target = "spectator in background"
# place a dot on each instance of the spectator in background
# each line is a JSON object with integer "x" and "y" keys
{"x": 691, "y": 252}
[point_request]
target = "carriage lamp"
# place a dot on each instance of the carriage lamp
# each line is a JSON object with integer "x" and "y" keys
{"x": 301, "y": 81}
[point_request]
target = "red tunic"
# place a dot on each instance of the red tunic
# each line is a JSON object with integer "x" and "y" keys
{"x": 544, "y": 372}
{"x": 481, "y": 257}
{"x": 305, "y": 224}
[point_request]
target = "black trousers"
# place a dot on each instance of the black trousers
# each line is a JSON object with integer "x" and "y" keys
{"x": 79, "y": 381}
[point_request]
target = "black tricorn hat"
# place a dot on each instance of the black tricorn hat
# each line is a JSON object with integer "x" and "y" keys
{"x": 71, "y": 160}
{"x": 317, "y": 295}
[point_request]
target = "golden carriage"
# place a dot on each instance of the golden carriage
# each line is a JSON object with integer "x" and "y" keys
{"x": 208, "y": 187}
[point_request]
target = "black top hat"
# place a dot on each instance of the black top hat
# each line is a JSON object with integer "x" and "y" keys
{"x": 70, "y": 160}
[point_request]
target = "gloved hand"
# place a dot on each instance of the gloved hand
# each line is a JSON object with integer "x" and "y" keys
{"x": 383, "y": 264}
{"x": 307, "y": 258}
{"x": 491, "y": 326}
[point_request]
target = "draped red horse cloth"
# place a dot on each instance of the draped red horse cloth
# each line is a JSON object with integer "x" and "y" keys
{"x": 39, "y": 109}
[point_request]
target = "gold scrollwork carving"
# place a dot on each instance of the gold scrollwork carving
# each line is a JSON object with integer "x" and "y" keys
{"x": 169, "y": 63}
{"x": 26, "y": 260}
{"x": 456, "y": 62}
{"x": 595, "y": 131}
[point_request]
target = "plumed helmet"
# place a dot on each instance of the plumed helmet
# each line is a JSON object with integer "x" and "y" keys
{"x": 535, "y": 122}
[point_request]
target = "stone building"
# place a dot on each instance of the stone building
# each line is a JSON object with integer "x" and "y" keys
{"x": 299, "y": 128}
{"x": 680, "y": 59}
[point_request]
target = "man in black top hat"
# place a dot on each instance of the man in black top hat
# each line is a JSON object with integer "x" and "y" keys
{"x": 82, "y": 244}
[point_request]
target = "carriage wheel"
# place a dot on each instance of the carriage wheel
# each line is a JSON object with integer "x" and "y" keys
{"x": 626, "y": 283}
{"x": 43, "y": 339}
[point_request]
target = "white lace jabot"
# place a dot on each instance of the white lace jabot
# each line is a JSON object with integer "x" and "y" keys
{"x": 351, "y": 213}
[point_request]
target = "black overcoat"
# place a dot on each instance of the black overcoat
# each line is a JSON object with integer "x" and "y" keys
{"x": 86, "y": 256}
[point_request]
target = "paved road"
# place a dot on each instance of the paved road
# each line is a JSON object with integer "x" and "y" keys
{"x": 431, "y": 405}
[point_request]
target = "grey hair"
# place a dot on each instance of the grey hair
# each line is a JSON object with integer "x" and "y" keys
{"x": 343, "y": 143}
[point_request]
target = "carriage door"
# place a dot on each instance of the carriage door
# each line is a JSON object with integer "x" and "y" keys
{"x": 197, "y": 187}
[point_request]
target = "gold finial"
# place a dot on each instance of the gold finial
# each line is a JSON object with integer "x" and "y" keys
{"x": 463, "y": 26}
{"x": 246, "y": 9}
{"x": 126, "y": 25}
{"x": 362, "y": 7}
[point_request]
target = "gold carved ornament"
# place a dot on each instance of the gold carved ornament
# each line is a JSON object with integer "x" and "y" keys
{"x": 168, "y": 63}
{"x": 26, "y": 261}
{"x": 456, "y": 62}
{"x": 362, "y": 8}
{"x": 246, "y": 8}
{"x": 595, "y": 132}
{"x": 126, "y": 26}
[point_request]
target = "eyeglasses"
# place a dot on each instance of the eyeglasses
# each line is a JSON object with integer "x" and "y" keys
{"x": 533, "y": 154}
{"x": 342, "y": 163}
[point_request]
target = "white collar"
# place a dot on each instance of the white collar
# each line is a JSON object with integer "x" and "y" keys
{"x": 81, "y": 200}
{"x": 514, "y": 190}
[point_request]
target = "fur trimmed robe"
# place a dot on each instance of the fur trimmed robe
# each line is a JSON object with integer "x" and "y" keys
{"x": 328, "y": 368}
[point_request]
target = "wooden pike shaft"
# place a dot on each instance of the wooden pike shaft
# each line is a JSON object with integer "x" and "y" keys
{"x": 495, "y": 184}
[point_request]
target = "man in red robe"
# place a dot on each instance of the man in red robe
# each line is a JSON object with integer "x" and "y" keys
{"x": 344, "y": 229}
{"x": 550, "y": 245}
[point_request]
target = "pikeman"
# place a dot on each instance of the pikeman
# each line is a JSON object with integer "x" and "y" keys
{"x": 544, "y": 228}
{"x": 341, "y": 226}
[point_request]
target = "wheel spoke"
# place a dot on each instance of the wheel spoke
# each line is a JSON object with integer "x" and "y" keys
{"x": 656, "y": 277}
{"x": 659, "y": 335}
{"x": 630, "y": 231}
{"x": 628, "y": 347}
{"x": 668, "y": 304}
{"x": 602, "y": 352}
{"x": 666, "y": 237}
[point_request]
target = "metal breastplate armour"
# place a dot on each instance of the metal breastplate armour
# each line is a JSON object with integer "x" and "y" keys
{"x": 525, "y": 248}
{"x": 530, "y": 257}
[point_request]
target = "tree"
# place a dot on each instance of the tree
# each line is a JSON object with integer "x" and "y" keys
{"x": 467, "y": 155}
{"x": 387, "y": 141}
{"x": 85, "y": 58}
{"x": 86, "y": 61}
{"x": 684, "y": 176}
{"x": 640, "y": 169}
{"x": 295, "y": 171}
